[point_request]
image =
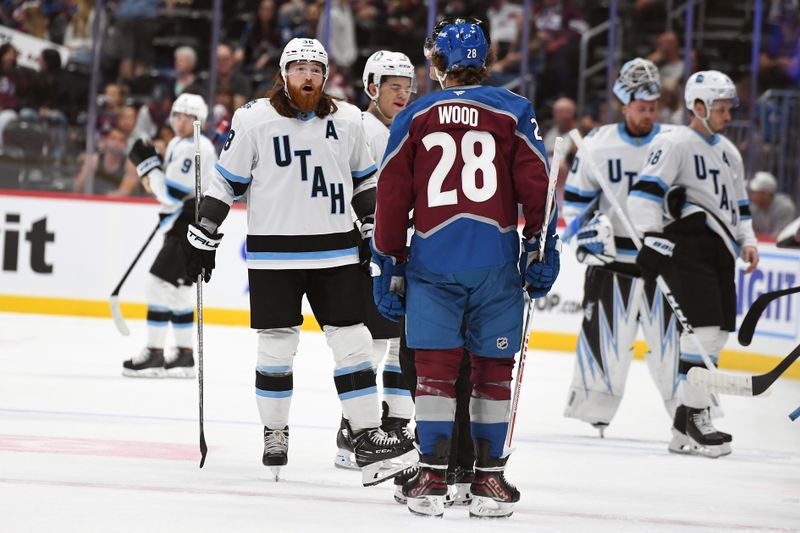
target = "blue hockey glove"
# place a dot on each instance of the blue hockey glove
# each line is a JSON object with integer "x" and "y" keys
{"x": 388, "y": 286}
{"x": 655, "y": 255}
{"x": 539, "y": 276}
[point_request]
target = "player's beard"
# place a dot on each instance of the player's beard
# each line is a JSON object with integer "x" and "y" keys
{"x": 305, "y": 102}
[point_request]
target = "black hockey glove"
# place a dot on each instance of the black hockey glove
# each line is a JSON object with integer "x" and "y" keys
{"x": 201, "y": 249}
{"x": 655, "y": 254}
{"x": 144, "y": 156}
{"x": 365, "y": 255}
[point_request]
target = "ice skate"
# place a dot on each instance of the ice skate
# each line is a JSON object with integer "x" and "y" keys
{"x": 381, "y": 456}
{"x": 345, "y": 457}
{"x": 425, "y": 493}
{"x": 459, "y": 484}
{"x": 182, "y": 366}
{"x": 276, "y": 449}
{"x": 694, "y": 434}
{"x": 399, "y": 428}
{"x": 148, "y": 364}
{"x": 401, "y": 479}
{"x": 492, "y": 495}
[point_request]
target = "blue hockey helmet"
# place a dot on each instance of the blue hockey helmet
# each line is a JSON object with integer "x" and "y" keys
{"x": 463, "y": 44}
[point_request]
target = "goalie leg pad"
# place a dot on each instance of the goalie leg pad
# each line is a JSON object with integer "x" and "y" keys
{"x": 274, "y": 378}
{"x": 354, "y": 374}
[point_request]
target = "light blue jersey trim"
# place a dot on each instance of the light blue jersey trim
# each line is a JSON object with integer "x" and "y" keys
{"x": 647, "y": 196}
{"x": 351, "y": 369}
{"x": 637, "y": 141}
{"x": 654, "y": 179}
{"x": 712, "y": 139}
{"x": 230, "y": 176}
{"x": 288, "y": 256}
{"x": 397, "y": 392}
{"x": 392, "y": 368}
{"x": 362, "y": 173}
{"x": 588, "y": 194}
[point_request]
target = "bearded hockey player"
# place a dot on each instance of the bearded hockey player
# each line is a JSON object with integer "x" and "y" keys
{"x": 303, "y": 163}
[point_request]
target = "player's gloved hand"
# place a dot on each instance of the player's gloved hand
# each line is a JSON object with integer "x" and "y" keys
{"x": 655, "y": 254}
{"x": 388, "y": 286}
{"x": 201, "y": 249}
{"x": 364, "y": 249}
{"x": 539, "y": 276}
{"x": 674, "y": 200}
{"x": 596, "y": 242}
{"x": 144, "y": 156}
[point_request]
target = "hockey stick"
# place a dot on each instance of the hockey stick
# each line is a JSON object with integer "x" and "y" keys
{"x": 756, "y": 310}
{"x": 197, "y": 192}
{"x": 725, "y": 383}
{"x": 113, "y": 300}
{"x": 523, "y": 348}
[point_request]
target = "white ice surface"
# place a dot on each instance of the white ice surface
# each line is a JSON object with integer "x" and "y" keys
{"x": 83, "y": 449}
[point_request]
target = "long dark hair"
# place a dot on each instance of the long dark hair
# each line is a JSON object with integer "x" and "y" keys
{"x": 283, "y": 105}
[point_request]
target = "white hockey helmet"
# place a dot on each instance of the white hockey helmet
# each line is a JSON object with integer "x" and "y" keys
{"x": 299, "y": 49}
{"x": 385, "y": 63}
{"x": 190, "y": 104}
{"x": 709, "y": 86}
{"x": 638, "y": 80}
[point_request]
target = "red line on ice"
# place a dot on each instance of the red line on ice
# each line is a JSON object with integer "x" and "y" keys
{"x": 98, "y": 447}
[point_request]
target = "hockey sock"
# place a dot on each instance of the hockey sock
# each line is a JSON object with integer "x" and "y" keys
{"x": 274, "y": 378}
{"x": 157, "y": 322}
{"x": 354, "y": 374}
{"x": 491, "y": 395}
{"x": 183, "y": 302}
{"x": 396, "y": 393}
{"x": 712, "y": 339}
{"x": 437, "y": 371}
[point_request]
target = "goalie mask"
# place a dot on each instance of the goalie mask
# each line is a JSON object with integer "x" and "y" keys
{"x": 595, "y": 242}
{"x": 638, "y": 80}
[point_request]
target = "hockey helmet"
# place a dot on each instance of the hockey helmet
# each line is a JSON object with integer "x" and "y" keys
{"x": 463, "y": 45}
{"x": 300, "y": 49}
{"x": 709, "y": 86}
{"x": 638, "y": 80}
{"x": 383, "y": 63}
{"x": 190, "y": 104}
{"x": 430, "y": 41}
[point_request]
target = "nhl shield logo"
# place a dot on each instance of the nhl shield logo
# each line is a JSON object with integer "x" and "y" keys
{"x": 502, "y": 343}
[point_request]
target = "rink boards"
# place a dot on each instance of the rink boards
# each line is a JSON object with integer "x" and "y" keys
{"x": 64, "y": 254}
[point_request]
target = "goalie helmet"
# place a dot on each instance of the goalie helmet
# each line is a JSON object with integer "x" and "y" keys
{"x": 190, "y": 104}
{"x": 383, "y": 63}
{"x": 638, "y": 80}
{"x": 299, "y": 49}
{"x": 709, "y": 86}
{"x": 595, "y": 241}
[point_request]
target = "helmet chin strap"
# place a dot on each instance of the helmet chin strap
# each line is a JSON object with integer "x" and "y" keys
{"x": 378, "y": 105}
{"x": 441, "y": 77}
{"x": 704, "y": 120}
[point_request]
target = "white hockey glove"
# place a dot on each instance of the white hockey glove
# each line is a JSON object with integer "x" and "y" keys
{"x": 596, "y": 242}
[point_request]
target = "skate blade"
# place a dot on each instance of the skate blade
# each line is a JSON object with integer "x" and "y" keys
{"x": 144, "y": 373}
{"x": 432, "y": 506}
{"x": 399, "y": 497}
{"x": 186, "y": 372}
{"x": 483, "y": 507}
{"x": 276, "y": 472}
{"x": 458, "y": 495}
{"x": 685, "y": 445}
{"x": 380, "y": 471}
{"x": 346, "y": 460}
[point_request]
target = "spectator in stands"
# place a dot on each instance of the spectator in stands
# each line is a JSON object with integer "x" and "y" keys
{"x": 401, "y": 27}
{"x": 126, "y": 123}
{"x": 670, "y": 105}
{"x": 260, "y": 45}
{"x": 111, "y": 102}
{"x": 771, "y": 210}
{"x": 505, "y": 27}
{"x": 185, "y": 78}
{"x": 230, "y": 78}
{"x": 564, "y": 119}
{"x": 79, "y": 33}
{"x": 49, "y": 97}
{"x": 341, "y": 46}
{"x": 14, "y": 86}
{"x": 155, "y": 114}
{"x": 779, "y": 62}
{"x": 136, "y": 23}
{"x": 667, "y": 56}
{"x": 559, "y": 25}
{"x": 32, "y": 20}
{"x": 114, "y": 174}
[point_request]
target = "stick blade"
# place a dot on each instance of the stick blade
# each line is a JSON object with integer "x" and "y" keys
{"x": 203, "y": 449}
{"x": 720, "y": 382}
{"x": 116, "y": 315}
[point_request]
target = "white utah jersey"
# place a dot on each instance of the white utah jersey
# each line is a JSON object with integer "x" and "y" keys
{"x": 176, "y": 182}
{"x": 377, "y": 135}
{"x": 608, "y": 153}
{"x": 300, "y": 175}
{"x": 711, "y": 170}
